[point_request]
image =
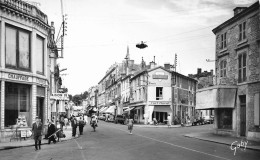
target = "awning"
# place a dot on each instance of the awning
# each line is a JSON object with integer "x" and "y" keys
{"x": 128, "y": 109}
{"x": 111, "y": 109}
{"x": 102, "y": 110}
{"x": 140, "y": 107}
{"x": 216, "y": 97}
{"x": 162, "y": 109}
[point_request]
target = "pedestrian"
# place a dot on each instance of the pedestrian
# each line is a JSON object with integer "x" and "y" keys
{"x": 74, "y": 126}
{"x": 51, "y": 132}
{"x": 130, "y": 125}
{"x": 169, "y": 120}
{"x": 155, "y": 122}
{"x": 62, "y": 123}
{"x": 66, "y": 122}
{"x": 37, "y": 128}
{"x": 85, "y": 118}
{"x": 81, "y": 125}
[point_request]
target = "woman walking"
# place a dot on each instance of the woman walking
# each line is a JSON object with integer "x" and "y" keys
{"x": 130, "y": 125}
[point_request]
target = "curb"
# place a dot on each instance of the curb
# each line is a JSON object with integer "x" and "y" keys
{"x": 248, "y": 147}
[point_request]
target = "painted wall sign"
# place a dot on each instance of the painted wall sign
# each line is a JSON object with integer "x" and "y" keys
{"x": 159, "y": 102}
{"x": 60, "y": 96}
{"x": 160, "y": 76}
{"x": 41, "y": 81}
{"x": 18, "y": 77}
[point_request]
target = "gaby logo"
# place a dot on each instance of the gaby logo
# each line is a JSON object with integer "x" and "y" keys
{"x": 235, "y": 145}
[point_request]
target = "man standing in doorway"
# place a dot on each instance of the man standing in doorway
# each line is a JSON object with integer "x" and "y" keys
{"x": 37, "y": 133}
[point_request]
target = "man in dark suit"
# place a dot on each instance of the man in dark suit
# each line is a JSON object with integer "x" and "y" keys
{"x": 51, "y": 130}
{"x": 37, "y": 133}
{"x": 74, "y": 126}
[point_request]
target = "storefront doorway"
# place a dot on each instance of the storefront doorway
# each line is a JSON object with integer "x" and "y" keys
{"x": 39, "y": 107}
{"x": 242, "y": 115}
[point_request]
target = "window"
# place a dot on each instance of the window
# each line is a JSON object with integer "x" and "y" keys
{"x": 223, "y": 68}
{"x": 159, "y": 93}
{"x": 242, "y": 31}
{"x": 242, "y": 67}
{"x": 223, "y": 40}
{"x": 225, "y": 118}
{"x": 40, "y": 54}
{"x": 17, "y": 48}
{"x": 17, "y": 103}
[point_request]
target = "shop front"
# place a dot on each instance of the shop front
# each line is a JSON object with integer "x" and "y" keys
{"x": 223, "y": 100}
{"x": 23, "y": 97}
{"x": 59, "y": 103}
{"x": 158, "y": 110}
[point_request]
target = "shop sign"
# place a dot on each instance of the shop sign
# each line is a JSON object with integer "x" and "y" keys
{"x": 159, "y": 102}
{"x": 18, "y": 77}
{"x": 40, "y": 81}
{"x": 160, "y": 76}
{"x": 60, "y": 96}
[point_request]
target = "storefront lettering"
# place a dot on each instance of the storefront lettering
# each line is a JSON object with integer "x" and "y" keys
{"x": 18, "y": 77}
{"x": 160, "y": 102}
{"x": 41, "y": 81}
{"x": 160, "y": 76}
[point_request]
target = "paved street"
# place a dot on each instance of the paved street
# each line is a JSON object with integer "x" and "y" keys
{"x": 112, "y": 142}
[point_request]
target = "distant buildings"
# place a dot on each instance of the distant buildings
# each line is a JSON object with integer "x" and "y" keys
{"x": 235, "y": 97}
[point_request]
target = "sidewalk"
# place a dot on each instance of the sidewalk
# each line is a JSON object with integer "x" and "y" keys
{"x": 155, "y": 126}
{"x": 30, "y": 141}
{"x": 227, "y": 140}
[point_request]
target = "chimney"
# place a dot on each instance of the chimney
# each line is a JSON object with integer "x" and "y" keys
{"x": 199, "y": 71}
{"x": 152, "y": 65}
{"x": 167, "y": 66}
{"x": 237, "y": 10}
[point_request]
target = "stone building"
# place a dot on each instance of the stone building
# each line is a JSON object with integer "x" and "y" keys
{"x": 24, "y": 53}
{"x": 235, "y": 98}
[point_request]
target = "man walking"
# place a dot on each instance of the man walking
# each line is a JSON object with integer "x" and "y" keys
{"x": 37, "y": 133}
{"x": 50, "y": 133}
{"x": 74, "y": 126}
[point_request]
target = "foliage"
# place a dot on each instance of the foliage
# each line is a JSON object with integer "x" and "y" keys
{"x": 77, "y": 99}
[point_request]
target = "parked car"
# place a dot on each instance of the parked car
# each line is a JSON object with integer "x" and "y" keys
{"x": 102, "y": 117}
{"x": 198, "y": 121}
{"x": 208, "y": 119}
{"x": 120, "y": 119}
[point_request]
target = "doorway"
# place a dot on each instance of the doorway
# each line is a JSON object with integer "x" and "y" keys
{"x": 39, "y": 108}
{"x": 242, "y": 115}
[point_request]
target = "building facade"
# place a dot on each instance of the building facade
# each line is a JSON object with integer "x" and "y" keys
{"x": 235, "y": 98}
{"x": 24, "y": 52}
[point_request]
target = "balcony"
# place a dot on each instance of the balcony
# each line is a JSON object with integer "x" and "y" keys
{"x": 24, "y": 9}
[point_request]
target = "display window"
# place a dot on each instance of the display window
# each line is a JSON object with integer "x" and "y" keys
{"x": 225, "y": 118}
{"x": 17, "y": 105}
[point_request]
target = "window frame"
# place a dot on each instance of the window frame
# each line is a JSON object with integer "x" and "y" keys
{"x": 223, "y": 40}
{"x": 43, "y": 62}
{"x": 17, "y": 52}
{"x": 242, "y": 68}
{"x": 223, "y": 68}
{"x": 242, "y": 31}
{"x": 159, "y": 93}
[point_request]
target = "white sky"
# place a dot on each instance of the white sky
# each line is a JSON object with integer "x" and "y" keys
{"x": 100, "y": 30}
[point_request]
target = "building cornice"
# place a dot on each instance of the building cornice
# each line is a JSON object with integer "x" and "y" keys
{"x": 250, "y": 9}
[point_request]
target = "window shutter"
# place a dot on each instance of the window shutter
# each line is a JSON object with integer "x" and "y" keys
{"x": 256, "y": 109}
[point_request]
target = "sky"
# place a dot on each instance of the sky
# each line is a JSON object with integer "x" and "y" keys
{"x": 99, "y": 31}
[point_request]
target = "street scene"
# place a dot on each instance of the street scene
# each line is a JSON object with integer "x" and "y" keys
{"x": 129, "y": 79}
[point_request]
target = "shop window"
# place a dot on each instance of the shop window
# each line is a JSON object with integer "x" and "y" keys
{"x": 17, "y": 103}
{"x": 17, "y": 48}
{"x": 159, "y": 93}
{"x": 242, "y": 67}
{"x": 223, "y": 68}
{"x": 225, "y": 118}
{"x": 40, "y": 55}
